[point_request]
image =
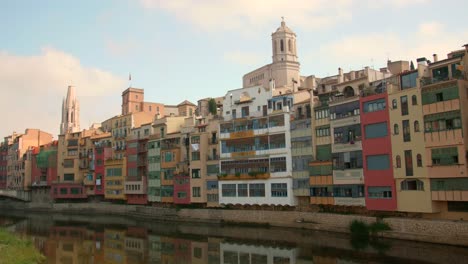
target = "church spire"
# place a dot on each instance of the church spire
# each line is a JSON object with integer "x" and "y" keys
{"x": 70, "y": 113}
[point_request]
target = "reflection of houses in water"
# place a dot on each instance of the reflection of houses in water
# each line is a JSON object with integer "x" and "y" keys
{"x": 136, "y": 245}
{"x": 154, "y": 249}
{"x": 199, "y": 252}
{"x": 245, "y": 254}
{"x": 114, "y": 246}
{"x": 72, "y": 244}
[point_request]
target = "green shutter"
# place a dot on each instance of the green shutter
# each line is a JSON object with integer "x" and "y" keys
{"x": 323, "y": 152}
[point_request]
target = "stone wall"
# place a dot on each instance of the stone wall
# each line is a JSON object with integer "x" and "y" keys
{"x": 425, "y": 230}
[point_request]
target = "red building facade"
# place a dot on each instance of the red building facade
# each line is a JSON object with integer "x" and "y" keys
{"x": 377, "y": 152}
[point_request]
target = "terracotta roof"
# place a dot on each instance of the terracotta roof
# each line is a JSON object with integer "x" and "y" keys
{"x": 186, "y": 103}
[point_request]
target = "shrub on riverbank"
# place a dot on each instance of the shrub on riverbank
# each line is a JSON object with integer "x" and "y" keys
{"x": 14, "y": 250}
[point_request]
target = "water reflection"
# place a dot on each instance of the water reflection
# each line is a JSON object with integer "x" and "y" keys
{"x": 83, "y": 240}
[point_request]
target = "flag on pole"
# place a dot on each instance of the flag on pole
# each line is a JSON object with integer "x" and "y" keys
{"x": 129, "y": 76}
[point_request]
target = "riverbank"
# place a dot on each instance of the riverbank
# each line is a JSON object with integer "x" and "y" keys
{"x": 423, "y": 230}
{"x": 14, "y": 250}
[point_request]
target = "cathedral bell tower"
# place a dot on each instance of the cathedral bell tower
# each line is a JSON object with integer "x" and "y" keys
{"x": 284, "y": 44}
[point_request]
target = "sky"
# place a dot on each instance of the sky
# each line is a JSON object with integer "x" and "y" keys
{"x": 191, "y": 49}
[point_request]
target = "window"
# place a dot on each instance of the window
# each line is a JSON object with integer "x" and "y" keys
{"x": 149, "y": 108}
{"x": 321, "y": 114}
{"x": 409, "y": 163}
{"x": 395, "y": 129}
{"x": 394, "y": 104}
{"x": 398, "y": 161}
{"x": 379, "y": 192}
{"x": 439, "y": 97}
{"x": 228, "y": 190}
{"x": 409, "y": 80}
{"x": 245, "y": 111}
{"x": 442, "y": 121}
{"x": 196, "y": 155}
{"x": 416, "y": 126}
{"x": 69, "y": 177}
{"x": 412, "y": 185}
{"x": 181, "y": 194}
{"x": 279, "y": 190}
{"x": 414, "y": 100}
{"x": 322, "y": 132}
{"x": 196, "y": 173}
{"x": 419, "y": 160}
{"x": 257, "y": 190}
{"x": 234, "y": 115}
{"x": 445, "y": 156}
{"x": 404, "y": 105}
{"x": 378, "y": 162}
{"x": 242, "y": 190}
{"x": 377, "y": 130}
{"x": 168, "y": 156}
{"x": 63, "y": 191}
{"x": 406, "y": 131}
{"x": 196, "y": 192}
{"x": 72, "y": 152}
{"x": 68, "y": 163}
{"x": 281, "y": 45}
{"x": 347, "y": 160}
{"x": 373, "y": 106}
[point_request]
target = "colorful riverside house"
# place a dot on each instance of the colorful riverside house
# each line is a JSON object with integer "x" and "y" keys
{"x": 3, "y": 164}
{"x": 445, "y": 110}
{"x": 43, "y": 171}
{"x": 102, "y": 152}
{"x": 137, "y": 161}
{"x": 377, "y": 148}
{"x": 154, "y": 168}
{"x": 255, "y": 148}
{"x": 301, "y": 146}
{"x": 406, "y": 130}
{"x": 69, "y": 183}
{"x": 204, "y": 158}
{"x": 114, "y": 178}
{"x": 320, "y": 169}
{"x": 164, "y": 158}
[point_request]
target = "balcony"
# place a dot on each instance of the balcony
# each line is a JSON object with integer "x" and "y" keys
{"x": 135, "y": 187}
{"x": 243, "y": 176}
{"x": 348, "y": 176}
{"x": 213, "y": 141}
{"x": 212, "y": 157}
{"x": 428, "y": 81}
{"x": 142, "y": 149}
{"x": 444, "y": 138}
{"x": 348, "y": 146}
{"x": 450, "y": 195}
{"x": 142, "y": 163}
{"x": 322, "y": 200}
{"x": 350, "y": 201}
{"x": 447, "y": 171}
{"x": 443, "y": 106}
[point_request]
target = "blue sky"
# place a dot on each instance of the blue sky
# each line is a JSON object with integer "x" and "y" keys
{"x": 183, "y": 49}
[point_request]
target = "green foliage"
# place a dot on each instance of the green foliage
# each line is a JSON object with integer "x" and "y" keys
{"x": 14, "y": 250}
{"x": 212, "y": 106}
{"x": 378, "y": 226}
{"x": 238, "y": 174}
{"x": 359, "y": 229}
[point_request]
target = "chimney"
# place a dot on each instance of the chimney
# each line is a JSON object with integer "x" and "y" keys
{"x": 434, "y": 56}
{"x": 340, "y": 75}
{"x": 421, "y": 61}
{"x": 466, "y": 47}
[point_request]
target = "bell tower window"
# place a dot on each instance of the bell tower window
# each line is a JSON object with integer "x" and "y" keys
{"x": 281, "y": 45}
{"x": 289, "y": 46}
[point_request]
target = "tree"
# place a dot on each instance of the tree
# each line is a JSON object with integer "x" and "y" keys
{"x": 412, "y": 66}
{"x": 212, "y": 107}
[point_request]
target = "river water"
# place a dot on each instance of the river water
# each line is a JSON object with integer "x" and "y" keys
{"x": 79, "y": 239}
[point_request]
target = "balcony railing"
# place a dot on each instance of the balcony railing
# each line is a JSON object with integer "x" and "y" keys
{"x": 212, "y": 157}
{"x": 213, "y": 141}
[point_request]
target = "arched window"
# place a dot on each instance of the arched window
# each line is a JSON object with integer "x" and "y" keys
{"x": 412, "y": 185}
{"x": 394, "y": 104}
{"x": 414, "y": 100}
{"x": 419, "y": 160}
{"x": 289, "y": 46}
{"x": 395, "y": 129}
{"x": 416, "y": 126}
{"x": 398, "y": 161}
{"x": 348, "y": 91}
{"x": 281, "y": 45}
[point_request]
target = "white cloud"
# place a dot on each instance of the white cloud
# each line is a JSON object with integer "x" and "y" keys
{"x": 373, "y": 49}
{"x": 33, "y": 88}
{"x": 247, "y": 15}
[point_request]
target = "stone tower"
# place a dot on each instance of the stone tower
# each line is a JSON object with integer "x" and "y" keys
{"x": 70, "y": 113}
{"x": 285, "y": 67}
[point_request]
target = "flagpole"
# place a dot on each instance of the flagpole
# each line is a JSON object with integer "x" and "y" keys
{"x": 130, "y": 80}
